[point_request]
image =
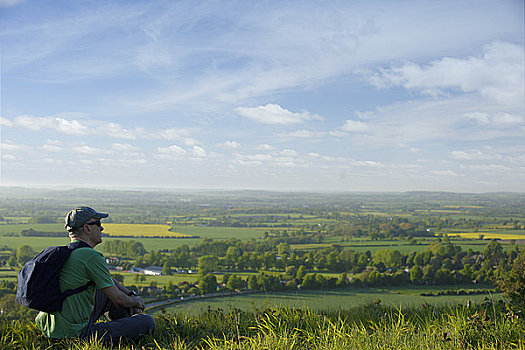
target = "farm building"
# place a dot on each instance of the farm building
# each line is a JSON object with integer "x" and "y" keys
{"x": 153, "y": 270}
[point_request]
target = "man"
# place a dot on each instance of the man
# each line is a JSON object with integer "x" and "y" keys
{"x": 104, "y": 296}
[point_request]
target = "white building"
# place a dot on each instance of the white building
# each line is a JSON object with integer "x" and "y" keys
{"x": 153, "y": 270}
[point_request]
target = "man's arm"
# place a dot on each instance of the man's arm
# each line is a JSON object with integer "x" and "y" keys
{"x": 121, "y": 287}
{"x": 121, "y": 299}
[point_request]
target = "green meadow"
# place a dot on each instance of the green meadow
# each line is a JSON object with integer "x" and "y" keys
{"x": 330, "y": 300}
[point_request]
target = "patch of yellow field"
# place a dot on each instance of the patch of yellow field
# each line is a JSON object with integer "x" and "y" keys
{"x": 141, "y": 230}
{"x": 488, "y": 235}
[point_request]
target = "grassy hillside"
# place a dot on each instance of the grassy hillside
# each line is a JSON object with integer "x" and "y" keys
{"x": 487, "y": 326}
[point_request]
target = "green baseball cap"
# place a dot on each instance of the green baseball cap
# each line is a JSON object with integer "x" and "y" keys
{"x": 78, "y": 217}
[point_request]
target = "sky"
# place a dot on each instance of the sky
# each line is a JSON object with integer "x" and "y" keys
{"x": 266, "y": 95}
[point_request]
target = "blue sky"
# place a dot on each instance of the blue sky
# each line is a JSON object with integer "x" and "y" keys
{"x": 271, "y": 95}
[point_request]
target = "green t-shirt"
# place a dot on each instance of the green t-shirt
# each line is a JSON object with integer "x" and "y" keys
{"x": 82, "y": 266}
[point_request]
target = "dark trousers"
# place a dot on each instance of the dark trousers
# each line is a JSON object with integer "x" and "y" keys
{"x": 121, "y": 326}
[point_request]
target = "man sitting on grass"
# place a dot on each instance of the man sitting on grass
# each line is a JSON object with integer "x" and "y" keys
{"x": 105, "y": 296}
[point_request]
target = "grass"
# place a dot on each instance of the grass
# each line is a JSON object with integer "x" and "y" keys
{"x": 17, "y": 228}
{"x": 371, "y": 326}
{"x": 217, "y": 233}
{"x": 332, "y": 299}
{"x": 161, "y": 281}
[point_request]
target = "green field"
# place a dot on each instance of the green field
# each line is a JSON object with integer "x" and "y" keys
{"x": 218, "y": 232}
{"x": 402, "y": 246}
{"x": 17, "y": 228}
{"x": 39, "y": 243}
{"x": 334, "y": 299}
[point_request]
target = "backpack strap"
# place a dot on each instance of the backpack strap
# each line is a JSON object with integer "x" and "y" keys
{"x": 72, "y": 246}
{"x": 78, "y": 244}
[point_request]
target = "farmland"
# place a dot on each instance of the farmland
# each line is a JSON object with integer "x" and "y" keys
{"x": 329, "y": 300}
{"x": 141, "y": 230}
{"x": 302, "y": 249}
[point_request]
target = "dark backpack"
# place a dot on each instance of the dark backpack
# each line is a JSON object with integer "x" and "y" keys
{"x": 38, "y": 283}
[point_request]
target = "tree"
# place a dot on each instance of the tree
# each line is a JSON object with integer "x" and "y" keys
{"x": 166, "y": 269}
{"x": 416, "y": 274}
{"x": 252, "y": 283}
{"x": 207, "y": 264}
{"x": 444, "y": 276}
{"x": 11, "y": 261}
{"x": 119, "y": 278}
{"x": 291, "y": 271}
{"x": 301, "y": 272}
{"x": 310, "y": 281}
{"x": 208, "y": 284}
{"x": 343, "y": 281}
{"x": 24, "y": 253}
{"x": 283, "y": 248}
{"x": 171, "y": 289}
{"x": 389, "y": 257}
{"x": 235, "y": 283}
{"x": 513, "y": 282}
{"x": 493, "y": 251}
{"x": 135, "y": 249}
{"x": 232, "y": 255}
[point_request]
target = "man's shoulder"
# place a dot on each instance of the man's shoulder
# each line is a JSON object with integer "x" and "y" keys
{"x": 86, "y": 253}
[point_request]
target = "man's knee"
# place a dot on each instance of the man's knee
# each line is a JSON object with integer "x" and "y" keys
{"x": 147, "y": 323}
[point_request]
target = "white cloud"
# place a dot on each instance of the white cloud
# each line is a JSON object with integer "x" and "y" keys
{"x": 288, "y": 152}
{"x": 124, "y": 147}
{"x": 480, "y": 117}
{"x": 497, "y": 120}
{"x": 51, "y": 148}
{"x": 453, "y": 119}
{"x": 275, "y": 114}
{"x": 9, "y": 3}
{"x": 497, "y": 75}
{"x": 72, "y": 127}
{"x": 5, "y": 122}
{"x": 170, "y": 152}
{"x": 366, "y": 163}
{"x": 354, "y": 125}
{"x": 8, "y": 157}
{"x": 443, "y": 173}
{"x": 229, "y": 144}
{"x": 90, "y": 150}
{"x": 55, "y": 142}
{"x": 115, "y": 130}
{"x": 52, "y": 161}
{"x": 265, "y": 147}
{"x": 508, "y": 119}
{"x": 306, "y": 134}
{"x": 131, "y": 162}
{"x": 181, "y": 135}
{"x": 199, "y": 151}
{"x": 98, "y": 127}
{"x": 173, "y": 149}
{"x": 8, "y": 146}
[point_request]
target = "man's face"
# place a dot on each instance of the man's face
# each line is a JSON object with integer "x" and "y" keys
{"x": 95, "y": 230}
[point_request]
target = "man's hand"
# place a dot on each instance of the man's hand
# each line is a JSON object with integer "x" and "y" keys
{"x": 121, "y": 299}
{"x": 140, "y": 308}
